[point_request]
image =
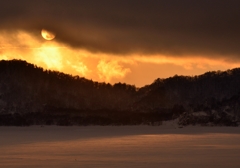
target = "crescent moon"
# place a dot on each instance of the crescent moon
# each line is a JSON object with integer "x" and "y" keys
{"x": 48, "y": 35}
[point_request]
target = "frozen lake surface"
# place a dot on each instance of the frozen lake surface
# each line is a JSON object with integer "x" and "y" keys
{"x": 119, "y": 147}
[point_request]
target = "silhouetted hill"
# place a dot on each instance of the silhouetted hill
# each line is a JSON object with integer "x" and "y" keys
{"x": 31, "y": 95}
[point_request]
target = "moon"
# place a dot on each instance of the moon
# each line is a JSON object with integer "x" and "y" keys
{"x": 48, "y": 35}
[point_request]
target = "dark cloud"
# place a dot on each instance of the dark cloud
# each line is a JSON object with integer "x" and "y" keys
{"x": 204, "y": 27}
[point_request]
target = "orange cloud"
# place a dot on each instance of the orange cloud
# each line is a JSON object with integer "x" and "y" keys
{"x": 111, "y": 69}
{"x": 135, "y": 68}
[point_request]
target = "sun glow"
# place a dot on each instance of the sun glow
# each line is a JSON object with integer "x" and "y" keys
{"x": 50, "y": 56}
{"x": 133, "y": 69}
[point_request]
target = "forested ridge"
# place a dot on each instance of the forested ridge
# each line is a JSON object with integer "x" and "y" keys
{"x": 30, "y": 95}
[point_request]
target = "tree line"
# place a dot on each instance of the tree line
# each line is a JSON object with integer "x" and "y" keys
{"x": 31, "y": 95}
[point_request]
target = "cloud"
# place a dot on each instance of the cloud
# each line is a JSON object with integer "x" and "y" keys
{"x": 57, "y": 56}
{"x": 128, "y": 41}
{"x": 103, "y": 67}
{"x": 111, "y": 69}
{"x": 79, "y": 67}
{"x": 172, "y": 28}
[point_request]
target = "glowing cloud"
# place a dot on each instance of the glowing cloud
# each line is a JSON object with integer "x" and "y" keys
{"x": 111, "y": 69}
{"x": 133, "y": 69}
{"x": 80, "y": 68}
{"x": 50, "y": 56}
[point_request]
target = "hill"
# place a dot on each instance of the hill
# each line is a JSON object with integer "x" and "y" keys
{"x": 30, "y": 95}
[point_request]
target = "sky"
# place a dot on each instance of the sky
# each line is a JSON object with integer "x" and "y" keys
{"x": 132, "y": 42}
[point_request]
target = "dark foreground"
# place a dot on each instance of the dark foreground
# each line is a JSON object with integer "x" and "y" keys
{"x": 125, "y": 146}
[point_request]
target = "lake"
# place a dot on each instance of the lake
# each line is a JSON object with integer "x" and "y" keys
{"x": 119, "y": 146}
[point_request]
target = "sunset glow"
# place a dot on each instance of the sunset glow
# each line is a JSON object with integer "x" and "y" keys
{"x": 135, "y": 68}
{"x": 114, "y": 83}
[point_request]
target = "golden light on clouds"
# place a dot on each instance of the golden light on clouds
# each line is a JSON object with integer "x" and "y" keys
{"x": 50, "y": 56}
{"x": 133, "y": 69}
{"x": 111, "y": 69}
{"x": 79, "y": 67}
